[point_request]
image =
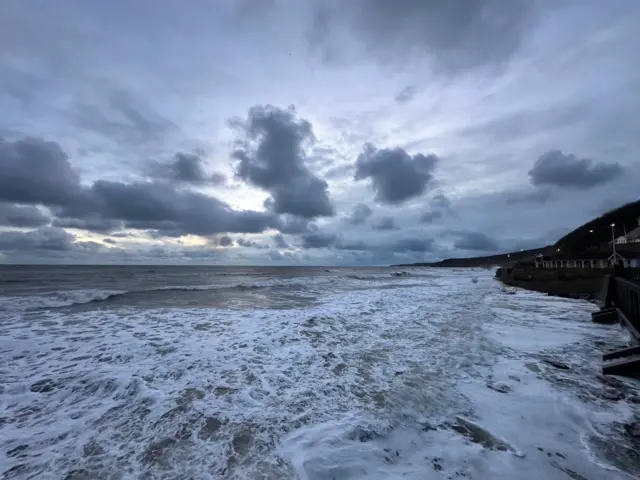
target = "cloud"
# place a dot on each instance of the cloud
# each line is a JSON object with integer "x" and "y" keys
{"x": 34, "y": 171}
{"x": 402, "y": 245}
{"x": 44, "y": 238}
{"x": 430, "y": 216}
{"x": 440, "y": 203}
{"x": 187, "y": 168}
{"x": 109, "y": 240}
{"x": 160, "y": 206}
{"x": 384, "y": 223}
{"x": 406, "y": 94}
{"x": 123, "y": 118}
{"x": 243, "y": 242}
{"x": 271, "y": 155}
{"x": 396, "y": 176}
{"x": 557, "y": 169}
{"x": 455, "y": 35}
{"x": 538, "y": 195}
{"x": 359, "y": 214}
{"x": 38, "y": 172}
{"x": 225, "y": 241}
{"x": 279, "y": 241}
{"x": 294, "y": 225}
{"x": 22, "y": 216}
{"x": 318, "y": 240}
{"x": 275, "y": 256}
{"x": 92, "y": 222}
{"x": 475, "y": 241}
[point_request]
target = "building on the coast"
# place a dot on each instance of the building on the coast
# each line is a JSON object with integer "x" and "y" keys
{"x": 587, "y": 260}
{"x": 632, "y": 237}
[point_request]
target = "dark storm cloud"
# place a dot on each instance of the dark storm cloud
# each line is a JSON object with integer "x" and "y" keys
{"x": 475, "y": 241}
{"x": 271, "y": 155}
{"x": 159, "y": 206}
{"x": 279, "y": 241}
{"x": 38, "y": 172}
{"x": 557, "y": 169}
{"x": 44, "y": 238}
{"x": 384, "y": 223}
{"x": 360, "y": 214}
{"x": 396, "y": 176}
{"x": 318, "y": 240}
{"x": 35, "y": 171}
{"x": 456, "y": 34}
{"x": 225, "y": 241}
{"x": 403, "y": 245}
{"x": 406, "y": 94}
{"x": 187, "y": 168}
{"x": 22, "y": 216}
{"x": 431, "y": 216}
{"x": 91, "y": 222}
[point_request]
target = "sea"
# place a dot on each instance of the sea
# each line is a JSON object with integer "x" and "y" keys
{"x": 172, "y": 372}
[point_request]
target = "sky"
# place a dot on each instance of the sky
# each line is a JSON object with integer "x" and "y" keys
{"x": 277, "y": 132}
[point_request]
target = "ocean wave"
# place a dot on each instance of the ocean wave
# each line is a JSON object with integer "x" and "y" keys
{"x": 70, "y": 298}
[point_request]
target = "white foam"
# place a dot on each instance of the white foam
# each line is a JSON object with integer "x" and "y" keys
{"x": 342, "y": 388}
{"x": 54, "y": 299}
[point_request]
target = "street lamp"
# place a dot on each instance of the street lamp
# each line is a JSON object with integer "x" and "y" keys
{"x": 613, "y": 244}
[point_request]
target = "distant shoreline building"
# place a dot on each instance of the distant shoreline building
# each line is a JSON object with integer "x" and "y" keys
{"x": 632, "y": 237}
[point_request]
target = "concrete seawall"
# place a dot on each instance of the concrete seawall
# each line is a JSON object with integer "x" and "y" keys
{"x": 583, "y": 283}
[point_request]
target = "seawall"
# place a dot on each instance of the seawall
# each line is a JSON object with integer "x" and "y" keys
{"x": 585, "y": 283}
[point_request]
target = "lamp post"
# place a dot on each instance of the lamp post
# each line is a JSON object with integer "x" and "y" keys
{"x": 613, "y": 244}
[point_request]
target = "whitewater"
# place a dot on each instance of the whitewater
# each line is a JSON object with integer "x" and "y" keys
{"x": 305, "y": 374}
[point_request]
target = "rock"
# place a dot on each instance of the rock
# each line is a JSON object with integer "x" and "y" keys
{"x": 436, "y": 464}
{"x": 499, "y": 387}
{"x": 560, "y": 455}
{"x": 633, "y": 429}
{"x": 634, "y": 399}
{"x": 45, "y": 385}
{"x": 556, "y": 363}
